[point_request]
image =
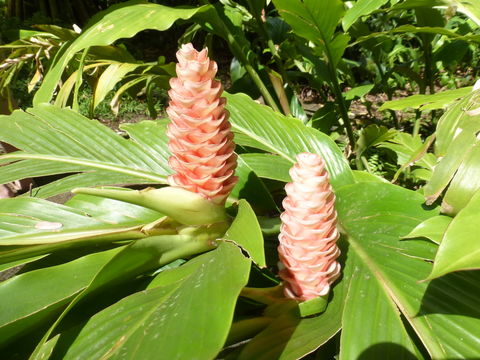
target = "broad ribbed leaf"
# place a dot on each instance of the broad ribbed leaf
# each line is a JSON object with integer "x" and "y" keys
{"x": 456, "y": 117}
{"x": 47, "y": 226}
{"x": 29, "y": 299}
{"x": 427, "y": 102}
{"x": 46, "y": 133}
{"x": 261, "y": 127}
{"x": 188, "y": 318}
{"x": 54, "y": 141}
{"x": 464, "y": 184}
{"x": 109, "y": 78}
{"x": 459, "y": 249}
{"x": 370, "y": 311}
{"x": 246, "y": 232}
{"x": 444, "y": 312}
{"x": 314, "y": 20}
{"x": 121, "y": 21}
{"x": 268, "y": 166}
{"x": 289, "y": 337}
{"x": 432, "y": 228}
{"x": 456, "y": 139}
{"x": 360, "y": 8}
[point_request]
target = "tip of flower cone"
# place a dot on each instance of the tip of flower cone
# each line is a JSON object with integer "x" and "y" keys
{"x": 201, "y": 141}
{"x": 309, "y": 158}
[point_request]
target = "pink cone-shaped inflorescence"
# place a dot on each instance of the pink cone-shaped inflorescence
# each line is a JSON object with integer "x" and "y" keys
{"x": 201, "y": 141}
{"x": 308, "y": 234}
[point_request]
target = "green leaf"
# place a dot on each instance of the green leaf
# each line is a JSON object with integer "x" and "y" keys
{"x": 134, "y": 260}
{"x": 459, "y": 248}
{"x": 432, "y": 229}
{"x": 246, "y": 232}
{"x": 457, "y": 117}
{"x": 363, "y": 176}
{"x": 314, "y": 20}
{"x": 411, "y": 29}
{"x": 370, "y": 311}
{"x": 109, "y": 78}
{"x": 251, "y": 188}
{"x": 56, "y": 141}
{"x": 118, "y": 22}
{"x": 411, "y": 150}
{"x": 375, "y": 216}
{"x": 260, "y": 127}
{"x": 360, "y": 8}
{"x": 31, "y": 227}
{"x": 28, "y": 300}
{"x": 173, "y": 317}
{"x": 427, "y": 102}
{"x": 358, "y": 91}
{"x": 469, "y": 8}
{"x": 456, "y": 139}
{"x": 373, "y": 135}
{"x": 268, "y": 166}
{"x": 465, "y": 183}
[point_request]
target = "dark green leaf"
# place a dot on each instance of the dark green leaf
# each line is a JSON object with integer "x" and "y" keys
{"x": 173, "y": 317}
{"x": 459, "y": 248}
{"x": 246, "y": 232}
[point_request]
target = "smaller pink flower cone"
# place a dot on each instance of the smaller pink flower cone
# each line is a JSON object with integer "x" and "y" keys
{"x": 201, "y": 141}
{"x": 308, "y": 234}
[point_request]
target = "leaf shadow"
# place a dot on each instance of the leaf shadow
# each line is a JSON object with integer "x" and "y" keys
{"x": 453, "y": 294}
{"x": 386, "y": 351}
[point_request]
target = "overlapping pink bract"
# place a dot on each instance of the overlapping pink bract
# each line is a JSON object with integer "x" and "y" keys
{"x": 201, "y": 141}
{"x": 308, "y": 234}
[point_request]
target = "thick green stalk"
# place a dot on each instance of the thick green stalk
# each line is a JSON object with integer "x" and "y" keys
{"x": 181, "y": 205}
{"x": 427, "y": 53}
{"x": 251, "y": 71}
{"x": 339, "y": 97}
{"x": 267, "y": 296}
{"x": 343, "y": 107}
{"x": 247, "y": 329}
{"x": 388, "y": 91}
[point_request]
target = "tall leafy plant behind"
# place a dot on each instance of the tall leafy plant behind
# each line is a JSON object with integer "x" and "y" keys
{"x": 316, "y": 22}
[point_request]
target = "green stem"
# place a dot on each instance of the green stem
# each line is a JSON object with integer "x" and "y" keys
{"x": 247, "y": 329}
{"x": 365, "y": 164}
{"x": 388, "y": 91}
{"x": 181, "y": 205}
{"x": 416, "y": 125}
{"x": 343, "y": 108}
{"x": 78, "y": 81}
{"x": 238, "y": 52}
{"x": 427, "y": 50}
{"x": 266, "y": 296}
{"x": 254, "y": 75}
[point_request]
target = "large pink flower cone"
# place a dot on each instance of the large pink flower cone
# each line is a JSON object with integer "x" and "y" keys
{"x": 201, "y": 141}
{"x": 308, "y": 234}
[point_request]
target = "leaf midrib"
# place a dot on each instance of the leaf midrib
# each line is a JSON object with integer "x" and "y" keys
{"x": 420, "y": 329}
